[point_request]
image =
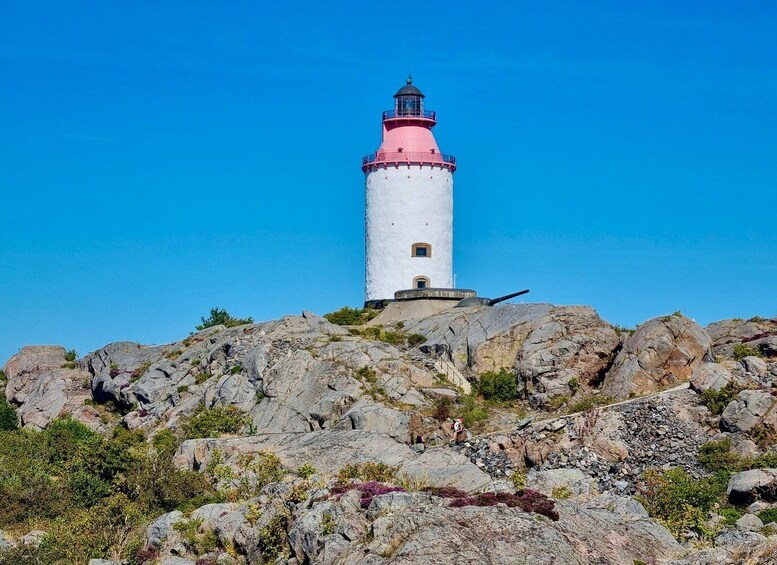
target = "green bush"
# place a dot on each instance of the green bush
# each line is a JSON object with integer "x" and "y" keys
{"x": 71, "y": 355}
{"x": 9, "y": 420}
{"x": 717, "y": 456}
{"x": 367, "y": 472}
{"x": 768, "y": 515}
{"x": 500, "y": 386}
{"x": 347, "y": 316}
{"x": 717, "y": 400}
{"x": 731, "y": 515}
{"x": 414, "y": 340}
{"x": 681, "y": 502}
{"x": 215, "y": 422}
{"x": 742, "y": 350}
{"x": 94, "y": 495}
{"x": 473, "y": 412}
{"x": 222, "y": 317}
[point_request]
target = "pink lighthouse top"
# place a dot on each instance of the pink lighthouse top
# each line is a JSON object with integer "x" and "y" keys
{"x": 407, "y": 135}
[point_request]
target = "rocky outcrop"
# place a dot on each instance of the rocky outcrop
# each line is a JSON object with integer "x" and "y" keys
{"x": 428, "y": 533}
{"x": 296, "y": 374}
{"x": 547, "y": 346}
{"x": 662, "y": 352}
{"x": 44, "y": 386}
{"x": 749, "y": 409}
{"x": 758, "y": 333}
{"x": 329, "y": 451}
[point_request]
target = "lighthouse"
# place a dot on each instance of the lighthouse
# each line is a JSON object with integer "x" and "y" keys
{"x": 409, "y": 204}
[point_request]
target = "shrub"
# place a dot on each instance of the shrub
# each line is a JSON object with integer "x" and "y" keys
{"x": 527, "y": 500}
{"x": 561, "y": 493}
{"x": 679, "y": 501}
{"x": 254, "y": 472}
{"x": 588, "y": 402}
{"x": 368, "y": 490}
{"x": 367, "y": 374}
{"x": 716, "y": 456}
{"x": 9, "y": 420}
{"x": 442, "y": 409}
{"x": 473, "y": 412}
{"x": 371, "y": 471}
{"x": 346, "y": 316}
{"x": 519, "y": 480}
{"x": 414, "y": 340}
{"x": 716, "y": 401}
{"x": 764, "y": 435}
{"x": 742, "y": 350}
{"x": 222, "y": 317}
{"x": 271, "y": 541}
{"x": 306, "y": 471}
{"x": 574, "y": 385}
{"x": 768, "y": 515}
{"x": 392, "y": 338}
{"x": 498, "y": 386}
{"x": 327, "y": 525}
{"x": 71, "y": 355}
{"x": 215, "y": 422}
{"x": 730, "y": 514}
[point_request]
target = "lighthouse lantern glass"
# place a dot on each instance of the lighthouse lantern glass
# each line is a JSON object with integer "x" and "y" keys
{"x": 409, "y": 106}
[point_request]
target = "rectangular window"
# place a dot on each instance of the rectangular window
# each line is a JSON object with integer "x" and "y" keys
{"x": 421, "y": 251}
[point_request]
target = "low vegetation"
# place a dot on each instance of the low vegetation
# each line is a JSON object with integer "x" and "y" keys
{"x": 681, "y": 502}
{"x": 347, "y": 316}
{"x": 716, "y": 456}
{"x": 742, "y": 350}
{"x": 215, "y": 422}
{"x": 717, "y": 400}
{"x": 223, "y": 318}
{"x": 93, "y": 495}
{"x": 499, "y": 385}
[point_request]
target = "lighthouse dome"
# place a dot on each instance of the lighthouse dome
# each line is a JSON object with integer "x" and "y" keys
{"x": 409, "y": 89}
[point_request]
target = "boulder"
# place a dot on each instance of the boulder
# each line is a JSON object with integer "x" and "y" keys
{"x": 662, "y": 352}
{"x": 43, "y": 386}
{"x": 161, "y": 528}
{"x": 549, "y": 482}
{"x": 749, "y": 409}
{"x": 710, "y": 376}
{"x": 747, "y": 486}
{"x": 755, "y": 366}
{"x": 368, "y": 415}
{"x": 750, "y": 523}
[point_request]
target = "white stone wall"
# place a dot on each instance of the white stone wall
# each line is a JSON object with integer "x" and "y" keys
{"x": 406, "y": 206}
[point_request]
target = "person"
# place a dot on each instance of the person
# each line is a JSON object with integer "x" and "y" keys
{"x": 419, "y": 446}
{"x": 458, "y": 433}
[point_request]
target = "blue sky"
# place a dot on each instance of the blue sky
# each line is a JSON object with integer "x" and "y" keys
{"x": 161, "y": 158}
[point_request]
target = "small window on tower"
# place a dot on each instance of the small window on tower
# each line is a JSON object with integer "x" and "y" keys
{"x": 421, "y": 250}
{"x": 420, "y": 282}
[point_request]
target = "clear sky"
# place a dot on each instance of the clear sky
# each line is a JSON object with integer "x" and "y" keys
{"x": 160, "y": 158}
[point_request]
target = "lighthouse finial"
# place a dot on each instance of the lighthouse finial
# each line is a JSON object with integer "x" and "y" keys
{"x": 409, "y": 79}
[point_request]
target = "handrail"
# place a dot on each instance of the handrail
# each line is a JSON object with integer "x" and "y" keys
{"x": 408, "y": 157}
{"x": 421, "y": 114}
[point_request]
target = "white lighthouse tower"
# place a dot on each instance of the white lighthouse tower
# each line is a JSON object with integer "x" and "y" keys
{"x": 409, "y": 203}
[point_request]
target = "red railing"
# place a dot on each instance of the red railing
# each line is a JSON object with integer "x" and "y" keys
{"x": 409, "y": 158}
